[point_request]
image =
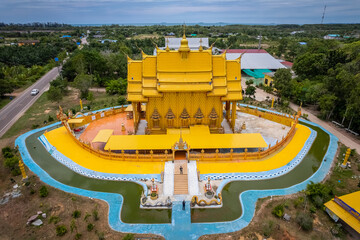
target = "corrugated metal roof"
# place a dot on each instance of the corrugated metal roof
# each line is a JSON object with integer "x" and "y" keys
{"x": 256, "y": 60}
{"x": 194, "y": 43}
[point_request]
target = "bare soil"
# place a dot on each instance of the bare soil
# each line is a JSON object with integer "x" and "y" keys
{"x": 15, "y": 213}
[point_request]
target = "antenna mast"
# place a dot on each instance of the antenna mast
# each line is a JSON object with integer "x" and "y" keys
{"x": 322, "y": 19}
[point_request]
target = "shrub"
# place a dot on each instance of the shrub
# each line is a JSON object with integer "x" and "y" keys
{"x": 6, "y": 149}
{"x": 298, "y": 201}
{"x": 90, "y": 227}
{"x": 358, "y": 167}
{"x": 50, "y": 119}
{"x": 305, "y": 221}
{"x": 318, "y": 201}
{"x": 87, "y": 215}
{"x": 128, "y": 236}
{"x": 34, "y": 126}
{"x": 72, "y": 225}
{"x": 267, "y": 228}
{"x": 11, "y": 162}
{"x": 318, "y": 193}
{"x": 43, "y": 191}
{"x": 101, "y": 235}
{"x": 76, "y": 214}
{"x": 90, "y": 97}
{"x": 121, "y": 100}
{"x": 54, "y": 219}
{"x": 61, "y": 230}
{"x": 8, "y": 155}
{"x": 95, "y": 215}
{"x": 313, "y": 209}
{"x": 16, "y": 172}
{"x": 278, "y": 211}
{"x": 78, "y": 236}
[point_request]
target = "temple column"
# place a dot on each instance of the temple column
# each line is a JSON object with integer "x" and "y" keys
{"x": 233, "y": 115}
{"x": 227, "y": 108}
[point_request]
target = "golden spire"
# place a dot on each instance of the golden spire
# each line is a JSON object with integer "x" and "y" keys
{"x": 200, "y": 48}
{"x": 184, "y": 44}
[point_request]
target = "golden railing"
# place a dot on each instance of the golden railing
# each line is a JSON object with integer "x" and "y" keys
{"x": 287, "y": 120}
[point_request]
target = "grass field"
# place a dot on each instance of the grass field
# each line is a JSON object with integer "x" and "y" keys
{"x": 38, "y": 114}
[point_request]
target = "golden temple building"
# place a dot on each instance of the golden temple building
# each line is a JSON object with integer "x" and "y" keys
{"x": 184, "y": 87}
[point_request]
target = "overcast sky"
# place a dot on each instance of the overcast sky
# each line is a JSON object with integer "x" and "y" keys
{"x": 173, "y": 11}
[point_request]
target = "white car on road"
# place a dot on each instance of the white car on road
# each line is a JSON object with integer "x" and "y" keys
{"x": 34, "y": 92}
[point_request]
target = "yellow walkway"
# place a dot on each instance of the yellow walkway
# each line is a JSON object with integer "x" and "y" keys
{"x": 66, "y": 145}
{"x": 274, "y": 161}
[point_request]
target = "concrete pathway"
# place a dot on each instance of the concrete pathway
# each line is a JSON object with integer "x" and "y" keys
{"x": 344, "y": 137}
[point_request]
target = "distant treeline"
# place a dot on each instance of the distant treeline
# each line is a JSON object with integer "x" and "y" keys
{"x": 33, "y": 26}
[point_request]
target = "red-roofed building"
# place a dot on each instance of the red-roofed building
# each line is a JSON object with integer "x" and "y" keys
{"x": 287, "y": 64}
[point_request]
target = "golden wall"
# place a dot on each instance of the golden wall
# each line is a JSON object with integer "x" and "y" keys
{"x": 177, "y": 102}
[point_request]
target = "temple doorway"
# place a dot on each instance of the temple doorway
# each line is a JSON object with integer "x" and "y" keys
{"x": 180, "y": 155}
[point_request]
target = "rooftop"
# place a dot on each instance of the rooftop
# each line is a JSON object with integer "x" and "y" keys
{"x": 254, "y": 58}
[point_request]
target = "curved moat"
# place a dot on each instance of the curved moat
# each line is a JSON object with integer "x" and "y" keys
{"x": 131, "y": 213}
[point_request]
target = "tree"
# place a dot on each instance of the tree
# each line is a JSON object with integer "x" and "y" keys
{"x": 327, "y": 104}
{"x": 250, "y": 91}
{"x": 54, "y": 94}
{"x": 282, "y": 80}
{"x": 310, "y": 65}
{"x": 116, "y": 86}
{"x": 5, "y": 86}
{"x": 83, "y": 82}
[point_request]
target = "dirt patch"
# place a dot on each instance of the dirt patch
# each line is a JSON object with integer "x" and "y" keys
{"x": 47, "y": 111}
{"x": 57, "y": 205}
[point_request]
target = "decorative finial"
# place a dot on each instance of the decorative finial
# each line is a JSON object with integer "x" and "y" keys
{"x": 184, "y": 28}
{"x": 200, "y": 48}
{"x": 167, "y": 44}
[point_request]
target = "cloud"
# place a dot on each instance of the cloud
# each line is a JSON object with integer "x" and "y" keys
{"x": 156, "y": 11}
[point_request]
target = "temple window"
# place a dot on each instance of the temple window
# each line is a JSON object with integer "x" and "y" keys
{"x": 184, "y": 118}
{"x": 170, "y": 116}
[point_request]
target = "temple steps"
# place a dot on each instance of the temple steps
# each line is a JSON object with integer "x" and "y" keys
{"x": 180, "y": 180}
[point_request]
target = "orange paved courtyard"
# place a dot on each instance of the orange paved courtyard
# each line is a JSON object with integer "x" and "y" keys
{"x": 112, "y": 122}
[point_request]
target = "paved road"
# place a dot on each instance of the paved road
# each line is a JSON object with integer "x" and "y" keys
{"x": 343, "y": 136}
{"x": 17, "y": 107}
